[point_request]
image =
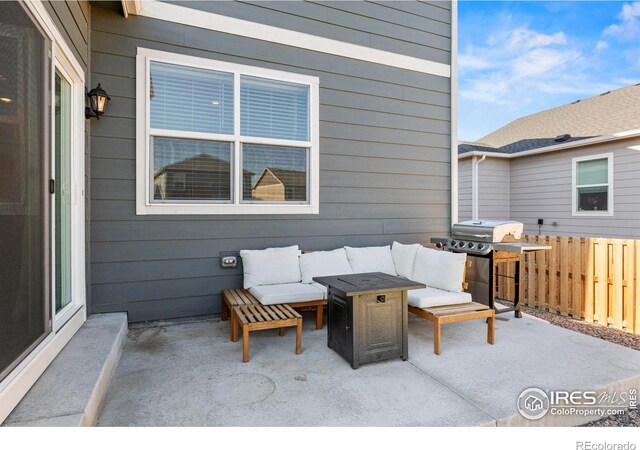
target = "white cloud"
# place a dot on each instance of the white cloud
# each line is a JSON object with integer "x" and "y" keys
{"x": 628, "y": 28}
{"x": 542, "y": 61}
{"x": 472, "y": 62}
{"x": 522, "y": 39}
{"x": 518, "y": 64}
{"x": 601, "y": 45}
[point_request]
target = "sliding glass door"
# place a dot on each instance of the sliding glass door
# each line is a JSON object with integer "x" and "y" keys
{"x": 25, "y": 68}
{"x": 41, "y": 178}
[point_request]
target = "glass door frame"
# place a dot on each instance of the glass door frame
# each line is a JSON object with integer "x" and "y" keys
{"x": 63, "y": 65}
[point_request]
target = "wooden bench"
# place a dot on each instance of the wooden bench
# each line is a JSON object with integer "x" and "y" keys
{"x": 440, "y": 315}
{"x": 239, "y": 297}
{"x": 263, "y": 317}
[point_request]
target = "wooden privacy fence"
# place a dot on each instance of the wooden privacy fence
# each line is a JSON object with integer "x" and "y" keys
{"x": 594, "y": 279}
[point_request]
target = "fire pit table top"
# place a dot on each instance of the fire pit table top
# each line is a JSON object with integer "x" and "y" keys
{"x": 364, "y": 283}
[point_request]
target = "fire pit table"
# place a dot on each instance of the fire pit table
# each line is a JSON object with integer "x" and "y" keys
{"x": 367, "y": 316}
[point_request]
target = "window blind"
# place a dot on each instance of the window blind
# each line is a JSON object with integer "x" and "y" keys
{"x": 593, "y": 172}
{"x": 191, "y": 99}
{"x": 274, "y": 109}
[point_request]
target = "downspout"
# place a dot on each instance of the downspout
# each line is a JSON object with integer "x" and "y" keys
{"x": 475, "y": 162}
{"x": 454, "y": 111}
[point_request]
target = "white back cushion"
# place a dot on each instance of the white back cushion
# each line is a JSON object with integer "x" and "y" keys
{"x": 371, "y": 259}
{"x": 439, "y": 269}
{"x": 270, "y": 266}
{"x": 404, "y": 257}
{"x": 324, "y": 264}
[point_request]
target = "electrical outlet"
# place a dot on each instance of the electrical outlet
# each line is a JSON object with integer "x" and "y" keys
{"x": 229, "y": 260}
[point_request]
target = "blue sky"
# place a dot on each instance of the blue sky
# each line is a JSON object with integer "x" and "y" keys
{"x": 517, "y": 58}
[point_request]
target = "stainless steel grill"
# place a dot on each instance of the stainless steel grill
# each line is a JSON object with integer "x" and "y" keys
{"x": 478, "y": 236}
{"x": 488, "y": 242}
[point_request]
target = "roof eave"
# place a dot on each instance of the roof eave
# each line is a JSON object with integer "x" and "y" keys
{"x": 553, "y": 148}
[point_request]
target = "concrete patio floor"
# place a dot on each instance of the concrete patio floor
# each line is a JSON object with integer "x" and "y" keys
{"x": 192, "y": 375}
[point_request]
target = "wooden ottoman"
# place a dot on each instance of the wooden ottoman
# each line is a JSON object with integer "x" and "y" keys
{"x": 262, "y": 317}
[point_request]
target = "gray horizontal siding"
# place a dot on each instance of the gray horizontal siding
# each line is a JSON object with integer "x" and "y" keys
{"x": 384, "y": 168}
{"x": 464, "y": 189}
{"x": 72, "y": 20}
{"x": 494, "y": 188}
{"x": 409, "y": 28}
{"x": 541, "y": 189}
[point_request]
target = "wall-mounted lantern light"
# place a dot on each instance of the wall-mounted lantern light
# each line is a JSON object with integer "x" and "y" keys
{"x": 98, "y": 100}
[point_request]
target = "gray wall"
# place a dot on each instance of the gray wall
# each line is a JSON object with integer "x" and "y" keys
{"x": 493, "y": 185}
{"x": 419, "y": 29}
{"x": 539, "y": 187}
{"x": 73, "y": 20}
{"x": 384, "y": 160}
{"x": 464, "y": 190}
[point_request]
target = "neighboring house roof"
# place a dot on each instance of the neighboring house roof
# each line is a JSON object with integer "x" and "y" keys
{"x": 288, "y": 178}
{"x": 201, "y": 163}
{"x": 605, "y": 114}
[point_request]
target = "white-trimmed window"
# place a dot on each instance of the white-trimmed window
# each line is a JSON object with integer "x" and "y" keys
{"x": 593, "y": 185}
{"x": 221, "y": 138}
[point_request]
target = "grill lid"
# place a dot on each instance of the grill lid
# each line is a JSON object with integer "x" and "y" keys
{"x": 487, "y": 230}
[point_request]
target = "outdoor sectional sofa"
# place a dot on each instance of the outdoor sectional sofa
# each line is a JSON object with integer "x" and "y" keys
{"x": 284, "y": 276}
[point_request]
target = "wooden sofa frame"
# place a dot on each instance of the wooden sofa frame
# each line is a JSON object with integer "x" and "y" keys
{"x": 440, "y": 315}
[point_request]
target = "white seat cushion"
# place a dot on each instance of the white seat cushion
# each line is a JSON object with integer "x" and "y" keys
{"x": 371, "y": 259}
{"x": 439, "y": 269}
{"x": 324, "y": 264}
{"x": 404, "y": 257}
{"x": 428, "y": 297}
{"x": 270, "y": 266}
{"x": 325, "y": 291}
{"x": 276, "y": 294}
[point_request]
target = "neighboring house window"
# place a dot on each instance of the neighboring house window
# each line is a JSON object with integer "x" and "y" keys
{"x": 593, "y": 185}
{"x": 221, "y": 138}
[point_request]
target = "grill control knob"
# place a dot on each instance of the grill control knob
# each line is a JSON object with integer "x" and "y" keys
{"x": 454, "y": 243}
{"x": 480, "y": 246}
{"x": 470, "y": 245}
{"x": 461, "y": 244}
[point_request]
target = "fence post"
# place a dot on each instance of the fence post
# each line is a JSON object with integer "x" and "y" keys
{"x": 587, "y": 262}
{"x": 541, "y": 263}
{"x": 616, "y": 298}
{"x": 553, "y": 274}
{"x": 576, "y": 278}
{"x": 628, "y": 282}
{"x": 531, "y": 278}
{"x": 601, "y": 281}
{"x": 564, "y": 275}
{"x": 636, "y": 278}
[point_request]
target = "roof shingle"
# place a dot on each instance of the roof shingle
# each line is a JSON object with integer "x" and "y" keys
{"x": 603, "y": 114}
